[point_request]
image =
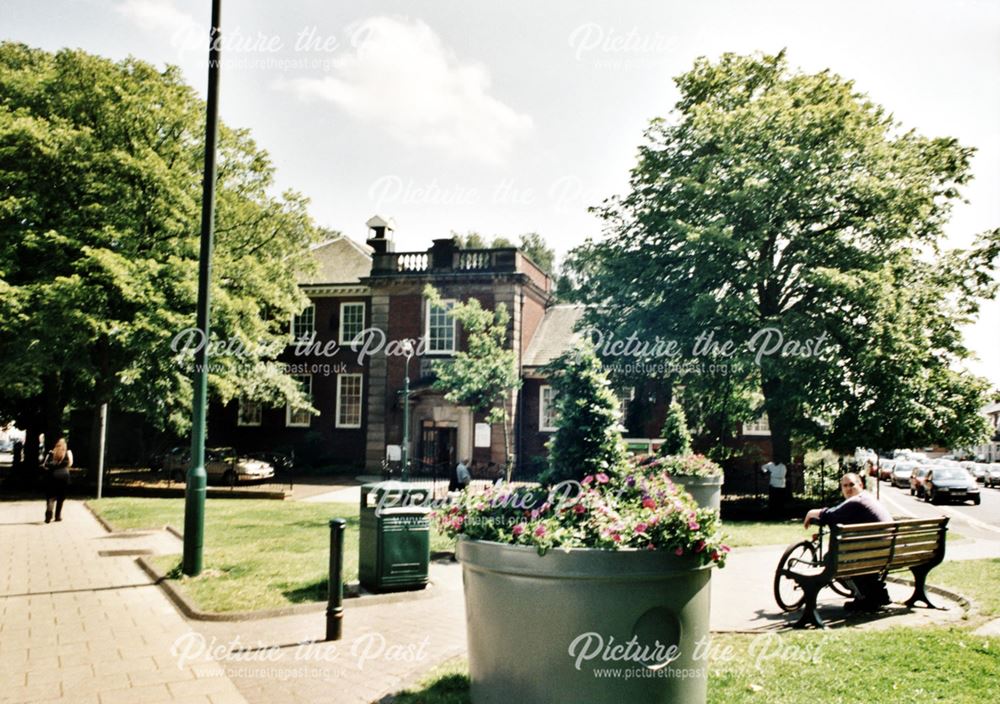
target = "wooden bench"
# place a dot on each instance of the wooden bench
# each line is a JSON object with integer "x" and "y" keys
{"x": 876, "y": 549}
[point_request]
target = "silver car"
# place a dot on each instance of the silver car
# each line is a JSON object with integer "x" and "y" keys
{"x": 223, "y": 464}
{"x": 978, "y": 470}
{"x": 993, "y": 474}
{"x": 901, "y": 474}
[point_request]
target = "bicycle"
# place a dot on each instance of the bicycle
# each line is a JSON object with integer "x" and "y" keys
{"x": 804, "y": 557}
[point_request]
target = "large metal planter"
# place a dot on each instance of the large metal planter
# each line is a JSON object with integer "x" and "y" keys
{"x": 529, "y": 616}
{"x": 706, "y": 491}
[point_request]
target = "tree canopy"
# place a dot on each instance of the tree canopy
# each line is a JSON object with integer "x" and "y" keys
{"x": 777, "y": 200}
{"x": 100, "y": 165}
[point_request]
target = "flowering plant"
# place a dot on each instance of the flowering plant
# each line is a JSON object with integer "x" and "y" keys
{"x": 627, "y": 511}
{"x": 678, "y": 465}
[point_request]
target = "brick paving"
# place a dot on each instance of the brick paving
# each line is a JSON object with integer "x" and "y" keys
{"x": 76, "y": 626}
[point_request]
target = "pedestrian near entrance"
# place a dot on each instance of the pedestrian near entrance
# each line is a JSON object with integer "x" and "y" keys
{"x": 858, "y": 506}
{"x": 776, "y": 472}
{"x": 462, "y": 475}
{"x": 56, "y": 469}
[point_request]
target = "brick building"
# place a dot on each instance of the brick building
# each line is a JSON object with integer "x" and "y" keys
{"x": 358, "y": 389}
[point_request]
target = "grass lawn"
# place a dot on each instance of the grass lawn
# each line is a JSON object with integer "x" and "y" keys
{"x": 977, "y": 579}
{"x": 838, "y": 667}
{"x": 843, "y": 666}
{"x": 259, "y": 554}
{"x": 752, "y": 533}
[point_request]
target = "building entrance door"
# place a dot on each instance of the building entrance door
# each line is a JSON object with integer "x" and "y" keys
{"x": 438, "y": 449}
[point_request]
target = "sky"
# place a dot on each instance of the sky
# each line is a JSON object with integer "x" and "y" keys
{"x": 515, "y": 117}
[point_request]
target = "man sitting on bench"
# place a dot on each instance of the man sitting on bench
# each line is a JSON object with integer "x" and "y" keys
{"x": 858, "y": 507}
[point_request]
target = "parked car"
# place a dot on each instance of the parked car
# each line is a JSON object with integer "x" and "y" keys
{"x": 917, "y": 476}
{"x": 223, "y": 464}
{"x": 977, "y": 470}
{"x": 950, "y": 484}
{"x": 279, "y": 460}
{"x": 175, "y": 462}
{"x": 885, "y": 470}
{"x": 901, "y": 472}
{"x": 993, "y": 474}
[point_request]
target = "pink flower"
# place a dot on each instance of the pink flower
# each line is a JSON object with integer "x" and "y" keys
{"x": 587, "y": 480}
{"x": 617, "y": 538}
{"x": 640, "y": 527}
{"x": 679, "y": 552}
{"x": 518, "y": 529}
{"x": 653, "y": 520}
{"x": 726, "y": 548}
{"x": 540, "y": 530}
{"x": 580, "y": 508}
{"x": 651, "y": 547}
{"x": 715, "y": 555}
{"x": 693, "y": 525}
{"x": 534, "y": 514}
{"x": 700, "y": 546}
{"x": 648, "y": 503}
{"x": 602, "y": 478}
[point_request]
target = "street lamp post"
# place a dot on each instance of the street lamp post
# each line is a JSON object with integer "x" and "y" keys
{"x": 408, "y": 352}
{"x": 197, "y": 478}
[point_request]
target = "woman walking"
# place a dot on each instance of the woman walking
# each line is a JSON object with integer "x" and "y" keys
{"x": 56, "y": 467}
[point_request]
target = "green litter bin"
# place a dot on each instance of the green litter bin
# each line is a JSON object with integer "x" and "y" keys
{"x": 395, "y": 541}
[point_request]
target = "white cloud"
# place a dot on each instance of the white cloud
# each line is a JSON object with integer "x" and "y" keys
{"x": 399, "y": 76}
{"x": 163, "y": 16}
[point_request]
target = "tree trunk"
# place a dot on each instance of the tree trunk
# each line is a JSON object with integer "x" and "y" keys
{"x": 778, "y": 420}
{"x": 53, "y": 409}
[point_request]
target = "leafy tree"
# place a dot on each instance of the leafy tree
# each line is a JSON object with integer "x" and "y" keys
{"x": 676, "y": 438}
{"x": 540, "y": 253}
{"x": 470, "y": 240}
{"x": 485, "y": 375}
{"x": 588, "y": 436}
{"x": 899, "y": 392}
{"x": 775, "y": 199}
{"x": 100, "y": 166}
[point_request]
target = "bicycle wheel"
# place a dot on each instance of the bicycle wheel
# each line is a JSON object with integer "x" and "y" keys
{"x": 798, "y": 558}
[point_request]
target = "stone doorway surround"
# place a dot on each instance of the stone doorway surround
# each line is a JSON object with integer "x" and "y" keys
{"x": 445, "y": 415}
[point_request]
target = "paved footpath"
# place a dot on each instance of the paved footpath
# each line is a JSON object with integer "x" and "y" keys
{"x": 79, "y": 626}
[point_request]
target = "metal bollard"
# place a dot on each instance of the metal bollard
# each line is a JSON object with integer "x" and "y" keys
{"x": 335, "y": 601}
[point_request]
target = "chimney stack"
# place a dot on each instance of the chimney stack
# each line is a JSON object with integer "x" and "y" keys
{"x": 380, "y": 237}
